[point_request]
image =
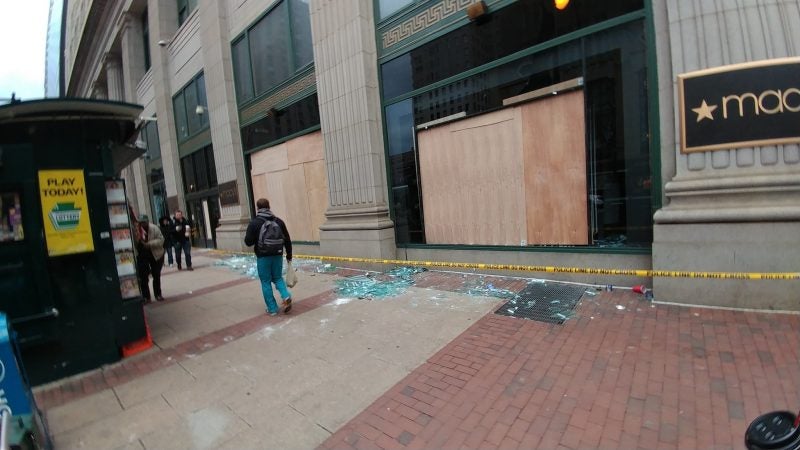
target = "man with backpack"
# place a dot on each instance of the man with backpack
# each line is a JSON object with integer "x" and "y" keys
{"x": 269, "y": 236}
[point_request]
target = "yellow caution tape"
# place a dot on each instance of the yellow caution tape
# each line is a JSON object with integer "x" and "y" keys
{"x": 583, "y": 270}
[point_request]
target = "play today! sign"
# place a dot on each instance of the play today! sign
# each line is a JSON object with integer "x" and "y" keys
{"x": 65, "y": 212}
{"x": 744, "y": 105}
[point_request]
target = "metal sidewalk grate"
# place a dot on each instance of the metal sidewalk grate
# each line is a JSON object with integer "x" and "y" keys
{"x": 546, "y": 302}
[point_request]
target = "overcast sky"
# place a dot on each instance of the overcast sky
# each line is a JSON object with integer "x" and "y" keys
{"x": 23, "y": 31}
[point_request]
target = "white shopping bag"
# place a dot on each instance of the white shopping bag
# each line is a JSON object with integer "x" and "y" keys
{"x": 291, "y": 276}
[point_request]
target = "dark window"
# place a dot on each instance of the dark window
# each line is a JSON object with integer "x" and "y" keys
{"x": 10, "y": 217}
{"x": 183, "y": 11}
{"x": 146, "y": 39}
{"x": 200, "y": 83}
{"x": 187, "y": 168}
{"x": 185, "y": 8}
{"x": 151, "y": 138}
{"x": 269, "y": 49}
{"x": 278, "y": 124}
{"x": 243, "y": 78}
{"x": 212, "y": 166}
{"x": 403, "y": 163}
{"x": 301, "y": 34}
{"x": 180, "y": 116}
{"x": 191, "y": 109}
{"x": 611, "y": 62}
{"x": 273, "y": 49}
{"x": 530, "y": 22}
{"x": 193, "y": 119}
{"x": 158, "y": 198}
{"x": 199, "y": 170}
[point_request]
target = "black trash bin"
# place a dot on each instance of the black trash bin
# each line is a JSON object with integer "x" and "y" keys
{"x": 777, "y": 430}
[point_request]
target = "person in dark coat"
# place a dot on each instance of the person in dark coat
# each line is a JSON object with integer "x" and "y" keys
{"x": 181, "y": 237}
{"x": 270, "y": 262}
{"x": 166, "y": 226}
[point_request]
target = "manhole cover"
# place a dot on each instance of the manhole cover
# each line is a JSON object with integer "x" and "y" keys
{"x": 549, "y": 302}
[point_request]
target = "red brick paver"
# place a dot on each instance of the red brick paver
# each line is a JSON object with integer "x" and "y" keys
{"x": 643, "y": 376}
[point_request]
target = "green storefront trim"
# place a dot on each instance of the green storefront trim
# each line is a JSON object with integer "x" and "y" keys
{"x": 653, "y": 108}
{"x": 194, "y": 143}
{"x": 284, "y": 139}
{"x": 249, "y": 111}
{"x": 437, "y": 30}
{"x": 256, "y": 112}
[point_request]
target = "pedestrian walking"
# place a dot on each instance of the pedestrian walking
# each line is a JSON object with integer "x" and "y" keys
{"x": 268, "y": 235}
{"x": 182, "y": 238}
{"x": 166, "y": 225}
{"x": 150, "y": 248}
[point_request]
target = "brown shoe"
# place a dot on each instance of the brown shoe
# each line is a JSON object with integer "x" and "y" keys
{"x": 287, "y": 305}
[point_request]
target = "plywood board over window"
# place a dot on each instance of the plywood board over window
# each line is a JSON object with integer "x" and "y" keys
{"x": 554, "y": 144}
{"x": 511, "y": 177}
{"x": 289, "y": 175}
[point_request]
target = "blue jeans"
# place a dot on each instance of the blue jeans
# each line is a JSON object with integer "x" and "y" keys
{"x": 270, "y": 270}
{"x": 186, "y": 246}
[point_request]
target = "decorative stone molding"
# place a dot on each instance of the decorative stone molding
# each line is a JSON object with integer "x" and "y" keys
{"x": 423, "y": 20}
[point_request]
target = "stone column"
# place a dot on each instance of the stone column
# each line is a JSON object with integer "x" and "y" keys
{"x": 100, "y": 90}
{"x": 163, "y": 22}
{"x": 730, "y": 210}
{"x": 132, "y": 52}
{"x": 357, "y": 218}
{"x": 223, "y": 118}
{"x": 113, "y": 66}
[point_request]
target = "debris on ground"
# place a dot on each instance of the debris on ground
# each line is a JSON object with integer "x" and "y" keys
{"x": 370, "y": 286}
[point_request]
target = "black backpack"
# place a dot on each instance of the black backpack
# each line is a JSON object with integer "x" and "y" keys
{"x": 270, "y": 239}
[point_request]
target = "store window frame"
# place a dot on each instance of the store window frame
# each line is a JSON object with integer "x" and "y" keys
{"x": 182, "y": 111}
{"x": 245, "y": 83}
{"x": 645, "y": 15}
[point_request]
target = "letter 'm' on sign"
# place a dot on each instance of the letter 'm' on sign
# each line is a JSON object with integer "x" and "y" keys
{"x": 744, "y": 105}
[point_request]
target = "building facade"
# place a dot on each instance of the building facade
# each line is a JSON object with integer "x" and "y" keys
{"x": 515, "y": 132}
{"x": 53, "y": 76}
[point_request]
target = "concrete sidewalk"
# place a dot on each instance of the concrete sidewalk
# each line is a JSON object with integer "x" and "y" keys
{"x": 431, "y": 368}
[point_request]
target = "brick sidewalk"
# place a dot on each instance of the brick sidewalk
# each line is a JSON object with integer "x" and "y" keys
{"x": 644, "y": 376}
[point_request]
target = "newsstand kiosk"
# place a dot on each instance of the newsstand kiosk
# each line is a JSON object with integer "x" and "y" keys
{"x": 67, "y": 270}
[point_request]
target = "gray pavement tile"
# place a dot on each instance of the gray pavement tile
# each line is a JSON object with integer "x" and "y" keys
{"x": 254, "y": 404}
{"x": 283, "y": 428}
{"x": 152, "y": 385}
{"x": 348, "y": 392}
{"x": 204, "y": 392}
{"x": 82, "y": 412}
{"x": 136, "y": 445}
{"x": 121, "y": 429}
{"x": 203, "y": 429}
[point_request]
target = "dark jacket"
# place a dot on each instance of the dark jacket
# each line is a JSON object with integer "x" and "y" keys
{"x": 251, "y": 236}
{"x": 179, "y": 230}
{"x": 167, "y": 229}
